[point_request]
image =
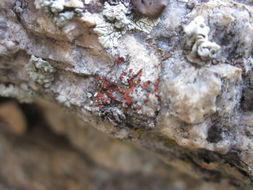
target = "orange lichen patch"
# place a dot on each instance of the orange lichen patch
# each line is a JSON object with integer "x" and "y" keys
{"x": 137, "y": 107}
{"x": 119, "y": 60}
{"x": 146, "y": 99}
{"x": 145, "y": 84}
{"x": 156, "y": 84}
{"x": 122, "y": 75}
{"x": 135, "y": 75}
{"x": 119, "y": 90}
{"x": 107, "y": 87}
{"x": 151, "y": 88}
{"x": 100, "y": 97}
{"x": 110, "y": 92}
{"x": 127, "y": 98}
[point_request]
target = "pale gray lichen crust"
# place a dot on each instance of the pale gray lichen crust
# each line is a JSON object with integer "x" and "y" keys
{"x": 40, "y": 71}
{"x": 56, "y": 6}
{"x": 116, "y": 21}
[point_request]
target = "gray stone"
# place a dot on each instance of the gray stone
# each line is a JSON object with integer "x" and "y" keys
{"x": 178, "y": 85}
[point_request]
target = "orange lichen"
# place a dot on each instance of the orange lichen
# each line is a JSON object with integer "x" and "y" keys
{"x": 115, "y": 91}
{"x": 104, "y": 95}
{"x": 156, "y": 85}
{"x": 119, "y": 60}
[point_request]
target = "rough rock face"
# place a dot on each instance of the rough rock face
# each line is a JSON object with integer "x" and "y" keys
{"x": 73, "y": 156}
{"x": 179, "y": 85}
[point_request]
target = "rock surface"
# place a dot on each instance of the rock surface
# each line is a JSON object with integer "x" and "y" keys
{"x": 176, "y": 85}
{"x": 42, "y": 158}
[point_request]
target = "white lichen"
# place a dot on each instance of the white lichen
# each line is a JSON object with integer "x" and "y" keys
{"x": 116, "y": 21}
{"x": 203, "y": 50}
{"x": 74, "y": 4}
{"x": 56, "y": 6}
{"x": 116, "y": 14}
{"x": 40, "y": 71}
{"x": 63, "y": 100}
{"x": 56, "y": 9}
{"x": 89, "y": 19}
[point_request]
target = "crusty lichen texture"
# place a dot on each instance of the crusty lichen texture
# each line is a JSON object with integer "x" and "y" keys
{"x": 21, "y": 92}
{"x": 203, "y": 50}
{"x": 40, "y": 71}
{"x": 114, "y": 22}
{"x": 117, "y": 20}
{"x": 56, "y": 8}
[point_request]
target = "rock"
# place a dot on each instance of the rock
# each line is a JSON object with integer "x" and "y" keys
{"x": 193, "y": 95}
{"x": 247, "y": 101}
{"x": 251, "y": 78}
{"x": 178, "y": 85}
{"x": 45, "y": 153}
{"x": 12, "y": 119}
{"x": 150, "y": 8}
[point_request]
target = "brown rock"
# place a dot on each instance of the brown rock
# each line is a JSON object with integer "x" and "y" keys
{"x": 12, "y": 118}
{"x": 149, "y": 8}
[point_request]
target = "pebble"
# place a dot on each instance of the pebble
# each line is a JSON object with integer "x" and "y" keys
{"x": 150, "y": 8}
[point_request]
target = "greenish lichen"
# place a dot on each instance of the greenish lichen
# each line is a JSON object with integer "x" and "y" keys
{"x": 40, "y": 71}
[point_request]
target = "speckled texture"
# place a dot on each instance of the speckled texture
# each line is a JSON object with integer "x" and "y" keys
{"x": 152, "y": 82}
{"x": 40, "y": 71}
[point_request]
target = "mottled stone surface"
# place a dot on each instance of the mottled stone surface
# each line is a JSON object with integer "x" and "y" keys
{"x": 150, "y": 8}
{"x": 130, "y": 76}
{"x": 247, "y": 102}
{"x": 58, "y": 151}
